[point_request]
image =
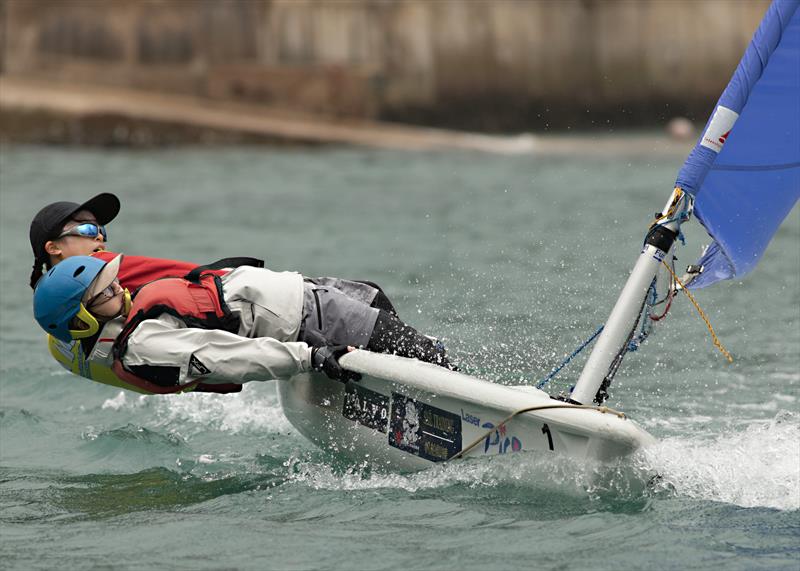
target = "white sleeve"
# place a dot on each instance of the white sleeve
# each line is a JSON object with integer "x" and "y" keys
{"x": 215, "y": 355}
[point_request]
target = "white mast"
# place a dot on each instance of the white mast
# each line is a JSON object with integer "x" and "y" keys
{"x": 629, "y": 304}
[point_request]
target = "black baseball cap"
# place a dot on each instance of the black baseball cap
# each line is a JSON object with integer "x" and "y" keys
{"x": 49, "y": 221}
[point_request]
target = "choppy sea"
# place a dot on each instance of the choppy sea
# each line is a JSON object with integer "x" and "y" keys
{"x": 514, "y": 261}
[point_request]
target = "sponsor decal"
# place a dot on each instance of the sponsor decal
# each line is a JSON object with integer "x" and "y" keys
{"x": 498, "y": 442}
{"x": 472, "y": 419}
{"x": 659, "y": 255}
{"x": 366, "y": 407}
{"x": 719, "y": 128}
{"x": 197, "y": 368}
{"x": 424, "y": 430}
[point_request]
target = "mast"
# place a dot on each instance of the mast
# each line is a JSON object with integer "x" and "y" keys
{"x": 611, "y": 345}
{"x": 757, "y": 171}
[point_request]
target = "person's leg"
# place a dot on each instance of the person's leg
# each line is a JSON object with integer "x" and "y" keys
{"x": 330, "y": 317}
{"x": 381, "y": 300}
{"x": 390, "y": 335}
{"x": 364, "y": 291}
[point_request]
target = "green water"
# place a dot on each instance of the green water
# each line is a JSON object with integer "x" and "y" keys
{"x": 514, "y": 261}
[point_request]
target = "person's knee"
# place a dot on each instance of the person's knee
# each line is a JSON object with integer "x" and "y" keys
{"x": 381, "y": 300}
{"x": 371, "y": 284}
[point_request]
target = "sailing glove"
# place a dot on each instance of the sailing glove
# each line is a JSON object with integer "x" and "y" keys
{"x": 326, "y": 360}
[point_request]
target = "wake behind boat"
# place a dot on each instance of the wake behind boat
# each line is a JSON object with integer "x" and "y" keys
{"x": 741, "y": 179}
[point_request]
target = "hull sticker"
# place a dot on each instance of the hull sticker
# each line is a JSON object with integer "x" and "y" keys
{"x": 424, "y": 430}
{"x": 471, "y": 418}
{"x": 498, "y": 442}
{"x": 366, "y": 407}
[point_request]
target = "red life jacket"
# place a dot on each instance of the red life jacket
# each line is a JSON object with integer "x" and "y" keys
{"x": 198, "y": 302}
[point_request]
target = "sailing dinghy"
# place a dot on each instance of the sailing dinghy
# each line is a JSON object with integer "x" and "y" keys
{"x": 740, "y": 181}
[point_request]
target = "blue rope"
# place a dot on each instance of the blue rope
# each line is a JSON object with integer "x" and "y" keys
{"x": 564, "y": 363}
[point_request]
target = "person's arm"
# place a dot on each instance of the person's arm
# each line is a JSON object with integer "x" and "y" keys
{"x": 214, "y": 355}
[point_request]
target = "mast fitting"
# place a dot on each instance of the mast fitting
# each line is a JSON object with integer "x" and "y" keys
{"x": 661, "y": 237}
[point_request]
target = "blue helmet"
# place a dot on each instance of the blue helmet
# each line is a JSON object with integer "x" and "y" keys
{"x": 58, "y": 294}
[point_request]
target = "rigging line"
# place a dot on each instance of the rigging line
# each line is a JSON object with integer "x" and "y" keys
{"x": 646, "y": 326}
{"x": 566, "y": 361}
{"x": 717, "y": 342}
{"x": 666, "y": 309}
{"x": 630, "y": 345}
{"x": 602, "y": 409}
{"x": 670, "y": 296}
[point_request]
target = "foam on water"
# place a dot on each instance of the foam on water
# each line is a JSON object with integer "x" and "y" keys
{"x": 754, "y": 467}
{"x": 536, "y": 473}
{"x": 727, "y": 470}
{"x": 250, "y": 411}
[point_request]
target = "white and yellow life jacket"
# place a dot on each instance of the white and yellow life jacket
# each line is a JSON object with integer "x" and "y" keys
{"x": 97, "y": 366}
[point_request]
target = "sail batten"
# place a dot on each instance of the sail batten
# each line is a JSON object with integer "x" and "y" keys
{"x": 755, "y": 167}
{"x": 744, "y": 171}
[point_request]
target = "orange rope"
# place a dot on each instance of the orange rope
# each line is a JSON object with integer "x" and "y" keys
{"x": 714, "y": 337}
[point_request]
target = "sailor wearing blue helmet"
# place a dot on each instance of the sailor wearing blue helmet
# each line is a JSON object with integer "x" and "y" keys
{"x": 61, "y": 297}
{"x": 203, "y": 329}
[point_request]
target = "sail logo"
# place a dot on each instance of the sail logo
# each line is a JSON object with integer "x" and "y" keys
{"x": 719, "y": 128}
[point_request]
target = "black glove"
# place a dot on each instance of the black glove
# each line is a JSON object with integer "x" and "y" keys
{"x": 326, "y": 359}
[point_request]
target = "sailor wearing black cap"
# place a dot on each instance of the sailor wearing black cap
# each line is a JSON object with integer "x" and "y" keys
{"x": 59, "y": 230}
{"x": 328, "y": 311}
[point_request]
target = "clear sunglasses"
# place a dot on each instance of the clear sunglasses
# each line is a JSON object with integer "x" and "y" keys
{"x": 110, "y": 292}
{"x": 86, "y": 230}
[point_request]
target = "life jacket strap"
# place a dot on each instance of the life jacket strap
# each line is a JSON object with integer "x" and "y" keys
{"x": 235, "y": 262}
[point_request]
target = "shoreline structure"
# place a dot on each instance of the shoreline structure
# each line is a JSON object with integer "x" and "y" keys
{"x": 37, "y": 111}
{"x": 489, "y": 66}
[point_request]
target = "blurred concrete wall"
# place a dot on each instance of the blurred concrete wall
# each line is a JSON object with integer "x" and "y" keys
{"x": 480, "y": 64}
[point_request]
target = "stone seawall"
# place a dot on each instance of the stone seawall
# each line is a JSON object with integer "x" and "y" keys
{"x": 490, "y": 65}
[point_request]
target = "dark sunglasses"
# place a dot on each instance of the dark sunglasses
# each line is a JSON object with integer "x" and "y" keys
{"x": 87, "y": 230}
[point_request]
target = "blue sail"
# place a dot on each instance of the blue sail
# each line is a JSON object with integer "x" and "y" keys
{"x": 744, "y": 171}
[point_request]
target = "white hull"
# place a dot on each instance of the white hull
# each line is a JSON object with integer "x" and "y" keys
{"x": 408, "y": 415}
